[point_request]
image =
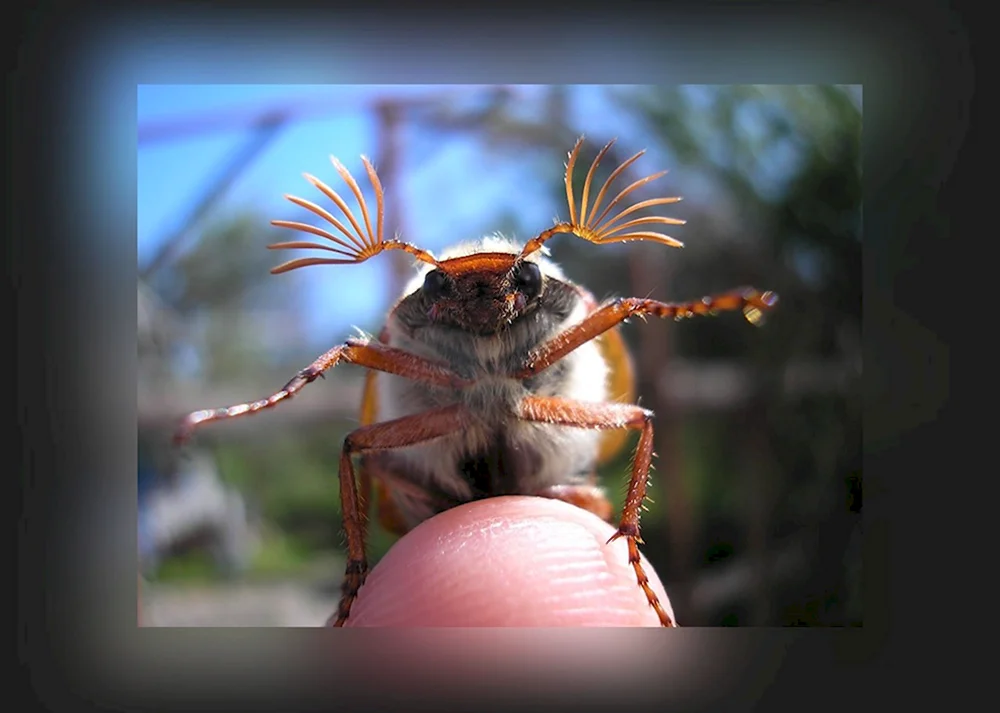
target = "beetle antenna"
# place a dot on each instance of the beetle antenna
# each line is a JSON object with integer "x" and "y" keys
{"x": 362, "y": 244}
{"x": 599, "y": 228}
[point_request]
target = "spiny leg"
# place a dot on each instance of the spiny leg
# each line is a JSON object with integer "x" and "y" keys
{"x": 396, "y": 517}
{"x": 369, "y": 415}
{"x": 401, "y": 432}
{"x": 373, "y": 355}
{"x": 588, "y": 497}
{"x": 750, "y": 301}
{"x": 606, "y": 416}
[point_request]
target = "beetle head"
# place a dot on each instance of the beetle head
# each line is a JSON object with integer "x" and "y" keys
{"x": 481, "y": 292}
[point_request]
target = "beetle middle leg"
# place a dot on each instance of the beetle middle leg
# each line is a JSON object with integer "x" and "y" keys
{"x": 398, "y": 433}
{"x": 581, "y": 414}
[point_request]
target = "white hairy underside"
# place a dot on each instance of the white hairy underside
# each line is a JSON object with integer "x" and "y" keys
{"x": 563, "y": 451}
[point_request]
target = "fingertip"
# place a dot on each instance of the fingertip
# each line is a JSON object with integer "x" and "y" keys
{"x": 508, "y": 562}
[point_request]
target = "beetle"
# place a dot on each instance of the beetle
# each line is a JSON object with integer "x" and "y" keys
{"x": 494, "y": 373}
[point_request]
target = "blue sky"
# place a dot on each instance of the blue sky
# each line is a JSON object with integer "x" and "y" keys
{"x": 449, "y": 187}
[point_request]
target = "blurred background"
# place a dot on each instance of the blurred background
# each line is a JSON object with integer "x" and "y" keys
{"x": 756, "y": 519}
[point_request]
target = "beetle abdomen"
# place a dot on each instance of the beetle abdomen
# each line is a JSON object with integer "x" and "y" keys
{"x": 500, "y": 468}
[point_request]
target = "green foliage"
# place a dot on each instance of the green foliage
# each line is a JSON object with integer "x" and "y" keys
{"x": 223, "y": 268}
{"x": 293, "y": 479}
{"x": 192, "y": 567}
{"x": 281, "y": 555}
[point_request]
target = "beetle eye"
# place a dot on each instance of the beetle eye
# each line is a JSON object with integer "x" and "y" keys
{"x": 528, "y": 278}
{"x": 435, "y": 284}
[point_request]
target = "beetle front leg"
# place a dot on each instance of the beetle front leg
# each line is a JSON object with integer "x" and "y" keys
{"x": 373, "y": 355}
{"x": 398, "y": 433}
{"x": 749, "y": 300}
{"x": 567, "y": 412}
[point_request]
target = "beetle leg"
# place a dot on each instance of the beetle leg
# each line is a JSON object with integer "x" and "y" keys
{"x": 750, "y": 301}
{"x": 589, "y": 497}
{"x": 373, "y": 355}
{"x": 567, "y": 412}
{"x": 398, "y": 433}
{"x": 395, "y": 516}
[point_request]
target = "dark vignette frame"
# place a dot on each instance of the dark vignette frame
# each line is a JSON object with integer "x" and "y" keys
{"x": 72, "y": 106}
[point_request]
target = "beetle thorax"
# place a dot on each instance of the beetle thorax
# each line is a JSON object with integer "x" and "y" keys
{"x": 477, "y": 317}
{"x": 545, "y": 454}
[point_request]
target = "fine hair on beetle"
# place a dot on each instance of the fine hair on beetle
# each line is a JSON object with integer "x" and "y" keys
{"x": 493, "y": 374}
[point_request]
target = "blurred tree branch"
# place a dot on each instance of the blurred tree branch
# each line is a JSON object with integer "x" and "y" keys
{"x": 267, "y": 129}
